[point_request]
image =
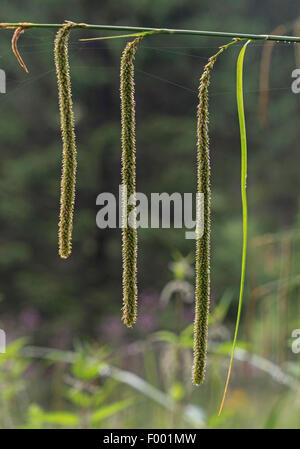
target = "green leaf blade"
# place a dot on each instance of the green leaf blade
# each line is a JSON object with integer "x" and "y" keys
{"x": 243, "y": 137}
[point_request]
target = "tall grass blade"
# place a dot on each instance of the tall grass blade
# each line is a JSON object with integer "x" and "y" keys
{"x": 241, "y": 114}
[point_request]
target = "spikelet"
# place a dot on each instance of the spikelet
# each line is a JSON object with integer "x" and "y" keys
{"x": 202, "y": 289}
{"x": 129, "y": 232}
{"x": 69, "y": 162}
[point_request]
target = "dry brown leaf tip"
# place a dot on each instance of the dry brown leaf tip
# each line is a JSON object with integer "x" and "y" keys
{"x": 14, "y": 45}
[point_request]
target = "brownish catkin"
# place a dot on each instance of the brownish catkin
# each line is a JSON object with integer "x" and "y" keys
{"x": 129, "y": 232}
{"x": 69, "y": 160}
{"x": 202, "y": 290}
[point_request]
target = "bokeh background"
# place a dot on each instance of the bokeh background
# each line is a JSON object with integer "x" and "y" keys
{"x": 70, "y": 362}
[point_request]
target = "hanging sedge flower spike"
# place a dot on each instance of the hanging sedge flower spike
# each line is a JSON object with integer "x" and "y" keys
{"x": 202, "y": 290}
{"x": 129, "y": 232}
{"x": 69, "y": 162}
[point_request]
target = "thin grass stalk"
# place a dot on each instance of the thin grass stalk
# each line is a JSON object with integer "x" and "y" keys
{"x": 135, "y": 30}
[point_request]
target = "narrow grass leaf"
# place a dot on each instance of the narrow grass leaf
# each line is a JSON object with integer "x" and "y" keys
{"x": 242, "y": 123}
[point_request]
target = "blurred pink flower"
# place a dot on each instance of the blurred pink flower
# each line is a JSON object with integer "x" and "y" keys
{"x": 113, "y": 328}
{"x": 30, "y": 319}
{"x": 148, "y": 313}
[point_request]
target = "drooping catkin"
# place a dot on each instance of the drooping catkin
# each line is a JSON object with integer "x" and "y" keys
{"x": 129, "y": 232}
{"x": 202, "y": 269}
{"x": 69, "y": 162}
{"x": 202, "y": 290}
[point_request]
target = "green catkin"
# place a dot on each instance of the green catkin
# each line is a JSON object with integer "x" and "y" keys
{"x": 69, "y": 162}
{"x": 129, "y": 232}
{"x": 202, "y": 289}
